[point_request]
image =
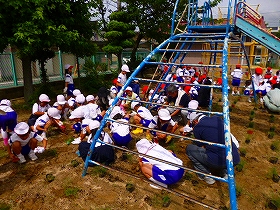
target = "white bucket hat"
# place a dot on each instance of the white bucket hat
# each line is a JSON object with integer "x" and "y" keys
{"x": 67, "y": 66}
{"x": 94, "y": 124}
{"x": 76, "y": 92}
{"x": 90, "y": 98}
{"x": 77, "y": 113}
{"x": 193, "y": 104}
{"x": 80, "y": 99}
{"x": 44, "y": 98}
{"x": 54, "y": 113}
{"x": 128, "y": 88}
{"x": 21, "y": 128}
{"x": 60, "y": 99}
{"x": 125, "y": 68}
{"x": 5, "y": 102}
{"x": 133, "y": 104}
{"x": 164, "y": 114}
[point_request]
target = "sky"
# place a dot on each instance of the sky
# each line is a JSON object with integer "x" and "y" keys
{"x": 270, "y": 9}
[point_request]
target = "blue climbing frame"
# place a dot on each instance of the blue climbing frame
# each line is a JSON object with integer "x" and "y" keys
{"x": 192, "y": 27}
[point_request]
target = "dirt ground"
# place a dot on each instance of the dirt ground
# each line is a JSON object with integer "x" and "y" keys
{"x": 55, "y": 180}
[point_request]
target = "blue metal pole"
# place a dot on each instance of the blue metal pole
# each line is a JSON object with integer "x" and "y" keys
{"x": 12, "y": 58}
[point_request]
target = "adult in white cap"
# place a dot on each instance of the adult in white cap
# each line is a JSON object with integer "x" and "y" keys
{"x": 51, "y": 118}
{"x": 39, "y": 108}
{"x": 163, "y": 122}
{"x": 8, "y": 119}
{"x": 208, "y": 157}
{"x": 122, "y": 77}
{"x": 23, "y": 142}
{"x": 69, "y": 83}
{"x": 130, "y": 95}
{"x": 163, "y": 174}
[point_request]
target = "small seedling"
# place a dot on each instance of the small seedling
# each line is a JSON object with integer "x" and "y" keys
{"x": 242, "y": 152}
{"x": 271, "y": 118}
{"x": 188, "y": 176}
{"x": 239, "y": 167}
{"x": 130, "y": 187}
{"x": 270, "y": 135}
{"x": 273, "y": 203}
{"x": 251, "y": 117}
{"x": 238, "y": 191}
{"x": 272, "y": 129}
{"x": 275, "y": 146}
{"x": 251, "y": 124}
{"x": 74, "y": 163}
{"x": 273, "y": 160}
{"x": 99, "y": 171}
{"x": 272, "y": 174}
{"x": 71, "y": 191}
{"x": 4, "y": 206}
{"x": 252, "y": 113}
{"x": 166, "y": 201}
{"x": 50, "y": 177}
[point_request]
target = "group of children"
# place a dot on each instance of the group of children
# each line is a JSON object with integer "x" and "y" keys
{"x": 85, "y": 116}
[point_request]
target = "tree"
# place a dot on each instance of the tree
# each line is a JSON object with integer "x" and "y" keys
{"x": 119, "y": 35}
{"x": 36, "y": 26}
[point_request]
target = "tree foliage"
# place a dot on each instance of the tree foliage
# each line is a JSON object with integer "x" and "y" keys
{"x": 36, "y": 27}
{"x": 120, "y": 33}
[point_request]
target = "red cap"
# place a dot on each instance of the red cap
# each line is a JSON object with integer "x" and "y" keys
{"x": 200, "y": 62}
{"x": 259, "y": 70}
{"x": 238, "y": 66}
{"x": 269, "y": 68}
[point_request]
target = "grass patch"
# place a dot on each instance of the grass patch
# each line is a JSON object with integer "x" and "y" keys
{"x": 172, "y": 147}
{"x": 251, "y": 124}
{"x": 71, "y": 191}
{"x": 273, "y": 202}
{"x": 3, "y": 153}
{"x": 238, "y": 190}
{"x": 270, "y": 135}
{"x": 4, "y": 206}
{"x": 188, "y": 176}
{"x": 49, "y": 153}
{"x": 273, "y": 174}
{"x": 271, "y": 118}
{"x": 99, "y": 171}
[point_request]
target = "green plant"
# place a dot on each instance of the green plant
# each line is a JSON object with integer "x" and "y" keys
{"x": 251, "y": 124}
{"x": 271, "y": 118}
{"x": 272, "y": 128}
{"x": 273, "y": 174}
{"x": 188, "y": 176}
{"x": 270, "y": 135}
{"x": 71, "y": 191}
{"x": 273, "y": 160}
{"x": 273, "y": 202}
{"x": 99, "y": 171}
{"x": 275, "y": 145}
{"x": 3, "y": 153}
{"x": 4, "y": 206}
{"x": 130, "y": 187}
{"x": 238, "y": 190}
{"x": 49, "y": 153}
{"x": 172, "y": 147}
{"x": 239, "y": 167}
{"x": 242, "y": 152}
{"x": 251, "y": 117}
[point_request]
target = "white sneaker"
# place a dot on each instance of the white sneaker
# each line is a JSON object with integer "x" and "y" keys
{"x": 249, "y": 100}
{"x": 207, "y": 179}
{"x": 32, "y": 155}
{"x": 76, "y": 141}
{"x": 21, "y": 158}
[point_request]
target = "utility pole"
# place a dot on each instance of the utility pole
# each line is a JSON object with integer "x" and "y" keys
{"x": 119, "y": 5}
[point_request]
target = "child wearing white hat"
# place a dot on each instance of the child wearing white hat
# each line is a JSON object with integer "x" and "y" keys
{"x": 162, "y": 174}
{"x": 39, "y": 109}
{"x": 51, "y": 118}
{"x": 8, "y": 119}
{"x": 23, "y": 142}
{"x": 69, "y": 83}
{"x": 129, "y": 94}
{"x": 94, "y": 110}
{"x": 62, "y": 105}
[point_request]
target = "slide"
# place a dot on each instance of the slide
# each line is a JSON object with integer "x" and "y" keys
{"x": 252, "y": 24}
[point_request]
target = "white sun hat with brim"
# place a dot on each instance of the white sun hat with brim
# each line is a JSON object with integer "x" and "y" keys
{"x": 90, "y": 98}
{"x": 44, "y": 98}
{"x": 125, "y": 68}
{"x": 196, "y": 115}
{"x": 77, "y": 113}
{"x": 76, "y": 92}
{"x": 80, "y": 99}
{"x": 54, "y": 113}
{"x": 164, "y": 114}
{"x": 94, "y": 124}
{"x": 143, "y": 145}
{"x": 134, "y": 103}
{"x": 21, "y": 128}
{"x": 60, "y": 99}
{"x": 5, "y": 102}
{"x": 128, "y": 88}
{"x": 193, "y": 104}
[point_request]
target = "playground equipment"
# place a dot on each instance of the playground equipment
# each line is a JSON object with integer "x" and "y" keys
{"x": 186, "y": 46}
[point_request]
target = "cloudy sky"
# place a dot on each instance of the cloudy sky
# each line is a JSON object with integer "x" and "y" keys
{"x": 270, "y": 9}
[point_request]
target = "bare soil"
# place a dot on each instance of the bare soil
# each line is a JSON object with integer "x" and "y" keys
{"x": 28, "y": 186}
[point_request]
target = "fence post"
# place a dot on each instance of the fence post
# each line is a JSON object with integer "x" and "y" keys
{"x": 61, "y": 69}
{"x": 12, "y": 58}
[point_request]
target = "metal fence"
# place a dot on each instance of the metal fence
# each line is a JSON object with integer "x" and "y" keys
{"x": 11, "y": 74}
